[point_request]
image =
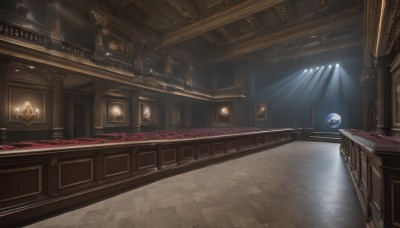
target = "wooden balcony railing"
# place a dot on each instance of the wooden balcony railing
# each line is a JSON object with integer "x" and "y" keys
{"x": 21, "y": 33}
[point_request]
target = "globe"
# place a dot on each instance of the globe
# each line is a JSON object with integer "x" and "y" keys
{"x": 333, "y": 120}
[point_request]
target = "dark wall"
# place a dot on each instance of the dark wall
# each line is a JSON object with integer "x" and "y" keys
{"x": 300, "y": 99}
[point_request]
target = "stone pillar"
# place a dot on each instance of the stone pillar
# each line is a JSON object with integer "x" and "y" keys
{"x": 4, "y": 63}
{"x": 366, "y": 105}
{"x": 135, "y": 125}
{"x": 189, "y": 76}
{"x": 98, "y": 109}
{"x": 99, "y": 23}
{"x": 168, "y": 102}
{"x": 383, "y": 96}
{"x": 168, "y": 66}
{"x": 58, "y": 130}
{"x": 188, "y": 115}
{"x": 53, "y": 22}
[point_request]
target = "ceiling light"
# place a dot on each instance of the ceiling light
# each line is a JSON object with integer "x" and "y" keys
{"x": 305, "y": 70}
{"x": 330, "y": 66}
{"x": 317, "y": 68}
{"x": 31, "y": 67}
{"x": 337, "y": 64}
{"x": 16, "y": 70}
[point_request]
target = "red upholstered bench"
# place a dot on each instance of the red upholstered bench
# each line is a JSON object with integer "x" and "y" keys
{"x": 6, "y": 147}
{"x": 27, "y": 144}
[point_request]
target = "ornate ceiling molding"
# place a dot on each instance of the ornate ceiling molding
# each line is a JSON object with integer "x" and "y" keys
{"x": 98, "y": 19}
{"x": 185, "y": 7}
{"x": 300, "y": 30}
{"x": 216, "y": 20}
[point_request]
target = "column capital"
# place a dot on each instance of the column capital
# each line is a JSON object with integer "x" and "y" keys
{"x": 381, "y": 61}
{"x": 98, "y": 19}
{"x": 58, "y": 76}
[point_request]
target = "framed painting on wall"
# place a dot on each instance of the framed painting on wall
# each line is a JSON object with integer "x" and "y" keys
{"x": 116, "y": 112}
{"x": 396, "y": 101}
{"x": 147, "y": 114}
{"x": 224, "y": 113}
{"x": 261, "y": 111}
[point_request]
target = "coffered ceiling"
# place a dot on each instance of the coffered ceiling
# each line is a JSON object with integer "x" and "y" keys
{"x": 222, "y": 30}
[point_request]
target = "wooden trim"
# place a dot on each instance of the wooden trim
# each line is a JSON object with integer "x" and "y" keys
{"x": 40, "y": 181}
{"x": 116, "y": 156}
{"x": 72, "y": 162}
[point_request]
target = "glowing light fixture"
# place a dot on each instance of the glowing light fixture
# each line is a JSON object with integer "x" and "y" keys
{"x": 31, "y": 67}
{"x": 337, "y": 64}
{"x": 305, "y": 70}
{"x": 317, "y": 68}
{"x": 330, "y": 66}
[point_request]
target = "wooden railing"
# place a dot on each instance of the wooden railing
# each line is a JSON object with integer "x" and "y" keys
{"x": 23, "y": 34}
{"x": 77, "y": 51}
{"x": 118, "y": 65}
{"x": 373, "y": 164}
{"x": 44, "y": 181}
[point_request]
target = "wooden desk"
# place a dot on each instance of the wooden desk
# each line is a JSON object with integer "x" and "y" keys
{"x": 374, "y": 165}
{"x": 39, "y": 182}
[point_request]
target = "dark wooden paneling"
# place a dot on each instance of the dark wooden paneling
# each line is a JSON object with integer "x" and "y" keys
{"x": 187, "y": 152}
{"x": 116, "y": 164}
{"x": 395, "y": 204}
{"x": 230, "y": 146}
{"x": 242, "y": 143}
{"x": 376, "y": 185}
{"x": 20, "y": 182}
{"x": 218, "y": 148}
{"x": 259, "y": 140}
{"x": 147, "y": 160}
{"x": 75, "y": 172}
{"x": 169, "y": 156}
{"x": 203, "y": 150}
{"x": 78, "y": 175}
{"x": 251, "y": 141}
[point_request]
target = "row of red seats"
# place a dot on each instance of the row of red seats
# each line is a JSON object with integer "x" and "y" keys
{"x": 141, "y": 136}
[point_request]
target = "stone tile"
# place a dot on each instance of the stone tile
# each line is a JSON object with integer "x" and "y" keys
{"x": 301, "y": 184}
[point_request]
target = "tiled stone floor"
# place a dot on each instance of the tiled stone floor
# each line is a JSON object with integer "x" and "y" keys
{"x": 301, "y": 184}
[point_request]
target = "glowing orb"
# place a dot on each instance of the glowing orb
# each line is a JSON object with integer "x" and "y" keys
{"x": 333, "y": 120}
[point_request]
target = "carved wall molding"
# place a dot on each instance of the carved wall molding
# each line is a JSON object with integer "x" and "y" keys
{"x": 185, "y": 7}
{"x": 393, "y": 43}
{"x": 214, "y": 19}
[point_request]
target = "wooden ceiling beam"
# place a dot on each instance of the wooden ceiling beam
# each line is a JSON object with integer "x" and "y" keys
{"x": 255, "y": 23}
{"x": 185, "y": 7}
{"x": 217, "y": 19}
{"x": 296, "y": 31}
{"x": 315, "y": 48}
{"x": 137, "y": 33}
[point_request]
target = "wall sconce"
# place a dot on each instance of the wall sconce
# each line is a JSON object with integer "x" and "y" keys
{"x": 26, "y": 112}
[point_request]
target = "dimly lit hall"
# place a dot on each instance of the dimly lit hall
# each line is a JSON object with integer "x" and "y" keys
{"x": 199, "y": 113}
